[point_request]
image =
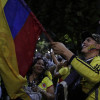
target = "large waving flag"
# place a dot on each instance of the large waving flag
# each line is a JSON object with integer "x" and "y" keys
{"x": 25, "y": 29}
{"x": 19, "y": 31}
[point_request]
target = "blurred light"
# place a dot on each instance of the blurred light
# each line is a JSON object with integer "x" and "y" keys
{"x": 48, "y": 51}
{"x": 39, "y": 38}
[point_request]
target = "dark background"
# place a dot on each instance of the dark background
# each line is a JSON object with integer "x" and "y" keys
{"x": 65, "y": 20}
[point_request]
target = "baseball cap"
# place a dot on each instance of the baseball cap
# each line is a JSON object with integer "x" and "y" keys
{"x": 95, "y": 36}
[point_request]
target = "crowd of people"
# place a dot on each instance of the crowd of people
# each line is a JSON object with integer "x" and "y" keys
{"x": 62, "y": 75}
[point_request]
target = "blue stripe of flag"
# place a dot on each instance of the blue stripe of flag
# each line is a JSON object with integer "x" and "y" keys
{"x": 16, "y": 15}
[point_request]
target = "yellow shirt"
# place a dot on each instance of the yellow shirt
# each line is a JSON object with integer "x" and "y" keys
{"x": 46, "y": 83}
{"x": 64, "y": 72}
{"x": 90, "y": 72}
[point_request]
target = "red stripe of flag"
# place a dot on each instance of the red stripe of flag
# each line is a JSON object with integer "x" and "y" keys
{"x": 25, "y": 43}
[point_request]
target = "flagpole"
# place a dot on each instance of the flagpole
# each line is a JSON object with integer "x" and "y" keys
{"x": 43, "y": 29}
{"x": 48, "y": 36}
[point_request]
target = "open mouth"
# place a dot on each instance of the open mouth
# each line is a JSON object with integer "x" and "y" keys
{"x": 84, "y": 46}
{"x": 40, "y": 69}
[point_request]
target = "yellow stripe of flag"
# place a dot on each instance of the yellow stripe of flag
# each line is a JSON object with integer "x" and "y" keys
{"x": 8, "y": 62}
{"x": 3, "y": 2}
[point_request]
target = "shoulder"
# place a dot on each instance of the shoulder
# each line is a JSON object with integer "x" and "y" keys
{"x": 48, "y": 73}
{"x": 46, "y": 79}
{"x": 96, "y": 60}
{"x": 64, "y": 70}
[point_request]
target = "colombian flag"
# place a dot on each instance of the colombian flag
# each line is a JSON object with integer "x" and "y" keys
{"x": 19, "y": 31}
{"x": 25, "y": 30}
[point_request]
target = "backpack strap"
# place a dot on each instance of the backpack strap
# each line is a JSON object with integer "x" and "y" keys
{"x": 94, "y": 88}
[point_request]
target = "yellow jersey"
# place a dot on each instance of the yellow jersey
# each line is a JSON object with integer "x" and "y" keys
{"x": 90, "y": 73}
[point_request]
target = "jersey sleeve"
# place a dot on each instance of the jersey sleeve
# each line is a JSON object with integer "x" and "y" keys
{"x": 63, "y": 71}
{"x": 90, "y": 71}
{"x": 46, "y": 83}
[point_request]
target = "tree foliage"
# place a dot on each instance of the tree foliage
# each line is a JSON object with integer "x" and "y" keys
{"x": 42, "y": 46}
{"x": 66, "y": 19}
